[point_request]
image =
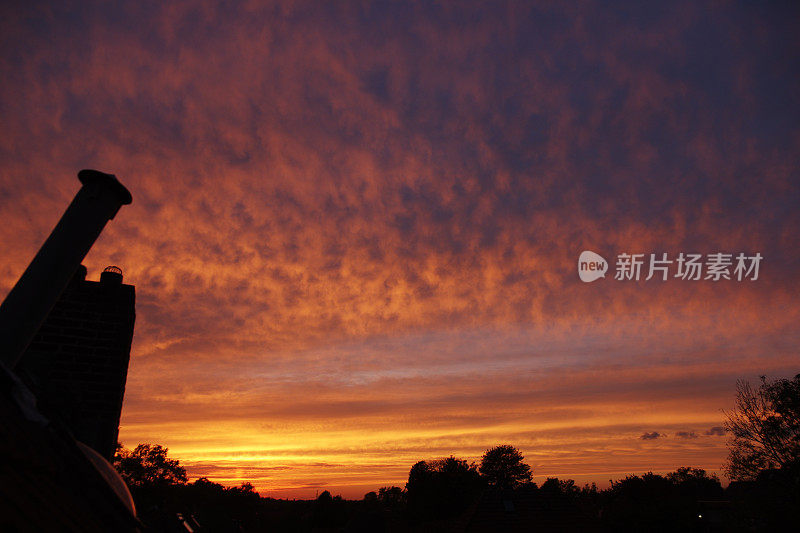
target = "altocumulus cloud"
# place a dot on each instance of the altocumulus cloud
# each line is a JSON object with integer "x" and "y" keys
{"x": 373, "y": 207}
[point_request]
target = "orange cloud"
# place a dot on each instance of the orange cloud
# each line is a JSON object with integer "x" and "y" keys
{"x": 355, "y": 229}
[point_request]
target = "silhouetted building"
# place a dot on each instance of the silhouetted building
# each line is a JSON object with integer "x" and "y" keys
{"x": 74, "y": 337}
{"x": 77, "y": 363}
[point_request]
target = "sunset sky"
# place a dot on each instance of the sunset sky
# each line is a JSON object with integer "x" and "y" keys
{"x": 356, "y": 226}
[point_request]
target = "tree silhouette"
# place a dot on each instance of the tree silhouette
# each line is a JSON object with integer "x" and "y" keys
{"x": 391, "y": 497}
{"x": 653, "y": 502}
{"x": 441, "y": 488}
{"x": 502, "y": 467}
{"x": 765, "y": 428}
{"x": 697, "y": 482}
{"x": 560, "y": 487}
{"x": 147, "y": 464}
{"x": 329, "y": 512}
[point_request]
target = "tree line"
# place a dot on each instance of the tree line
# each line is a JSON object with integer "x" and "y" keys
{"x": 497, "y": 493}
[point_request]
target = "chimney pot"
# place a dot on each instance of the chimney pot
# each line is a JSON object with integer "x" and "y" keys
{"x": 111, "y": 275}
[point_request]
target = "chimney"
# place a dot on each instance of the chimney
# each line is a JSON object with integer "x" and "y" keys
{"x": 38, "y": 289}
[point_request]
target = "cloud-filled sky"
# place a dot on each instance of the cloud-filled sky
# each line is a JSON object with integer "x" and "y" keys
{"x": 356, "y": 225}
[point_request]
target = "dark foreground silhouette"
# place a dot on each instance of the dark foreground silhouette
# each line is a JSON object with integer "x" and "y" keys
{"x": 453, "y": 495}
